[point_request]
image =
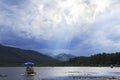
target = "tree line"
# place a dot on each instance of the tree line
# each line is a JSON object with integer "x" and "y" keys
{"x": 101, "y": 59}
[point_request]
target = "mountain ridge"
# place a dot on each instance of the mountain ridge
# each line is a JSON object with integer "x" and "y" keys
{"x": 11, "y": 55}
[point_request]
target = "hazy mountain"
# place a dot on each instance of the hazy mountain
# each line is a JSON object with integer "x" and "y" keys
{"x": 50, "y": 54}
{"x": 11, "y": 56}
{"x": 64, "y": 57}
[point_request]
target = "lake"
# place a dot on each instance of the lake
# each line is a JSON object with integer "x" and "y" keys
{"x": 62, "y": 73}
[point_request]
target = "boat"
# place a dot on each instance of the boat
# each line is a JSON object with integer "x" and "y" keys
{"x": 29, "y": 69}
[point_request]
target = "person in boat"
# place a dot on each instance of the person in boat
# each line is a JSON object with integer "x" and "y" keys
{"x": 111, "y": 66}
{"x": 30, "y": 70}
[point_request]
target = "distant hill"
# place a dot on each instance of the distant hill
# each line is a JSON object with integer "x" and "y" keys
{"x": 16, "y": 56}
{"x": 64, "y": 57}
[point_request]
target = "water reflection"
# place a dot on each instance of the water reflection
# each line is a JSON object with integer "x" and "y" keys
{"x": 61, "y": 73}
{"x": 82, "y": 78}
{"x": 72, "y": 77}
{"x": 28, "y": 78}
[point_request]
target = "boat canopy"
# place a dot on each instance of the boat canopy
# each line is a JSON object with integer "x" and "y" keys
{"x": 29, "y": 63}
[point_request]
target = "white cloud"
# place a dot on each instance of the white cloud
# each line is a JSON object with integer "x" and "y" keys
{"x": 52, "y": 19}
{"x": 63, "y": 20}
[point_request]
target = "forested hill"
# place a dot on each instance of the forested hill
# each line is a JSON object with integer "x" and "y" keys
{"x": 103, "y": 59}
{"x": 16, "y": 56}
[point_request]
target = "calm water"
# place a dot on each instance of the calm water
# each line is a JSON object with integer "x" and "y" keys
{"x": 62, "y": 73}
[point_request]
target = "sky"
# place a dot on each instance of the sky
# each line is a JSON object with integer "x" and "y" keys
{"x": 78, "y": 27}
